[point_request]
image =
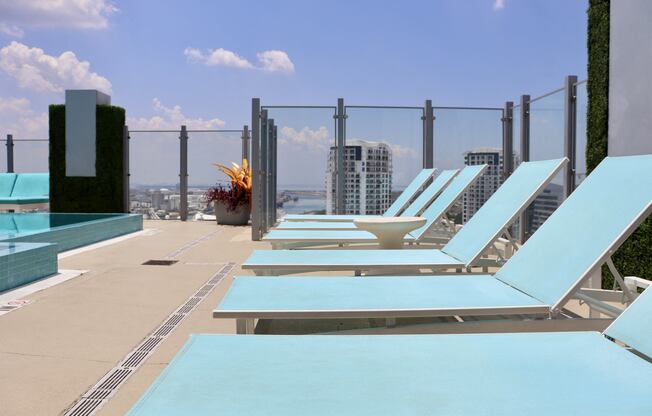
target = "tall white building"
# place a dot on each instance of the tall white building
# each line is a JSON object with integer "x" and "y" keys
{"x": 368, "y": 180}
{"x": 488, "y": 183}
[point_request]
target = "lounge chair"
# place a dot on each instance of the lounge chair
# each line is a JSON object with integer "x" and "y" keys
{"x": 24, "y": 191}
{"x": 465, "y": 249}
{"x": 415, "y": 208}
{"x": 571, "y": 373}
{"x": 577, "y": 239}
{"x": 401, "y": 202}
{"x": 304, "y": 238}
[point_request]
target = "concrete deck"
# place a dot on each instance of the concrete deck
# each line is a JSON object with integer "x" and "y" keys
{"x": 70, "y": 335}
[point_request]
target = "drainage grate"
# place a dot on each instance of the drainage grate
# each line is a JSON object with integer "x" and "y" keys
{"x": 94, "y": 398}
{"x": 162, "y": 262}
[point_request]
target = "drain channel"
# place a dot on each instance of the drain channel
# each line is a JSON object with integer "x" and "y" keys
{"x": 97, "y": 395}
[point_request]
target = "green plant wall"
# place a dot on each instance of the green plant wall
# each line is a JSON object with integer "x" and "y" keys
{"x": 633, "y": 257}
{"x": 103, "y": 193}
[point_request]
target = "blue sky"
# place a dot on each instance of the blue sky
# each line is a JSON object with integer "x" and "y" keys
{"x": 466, "y": 53}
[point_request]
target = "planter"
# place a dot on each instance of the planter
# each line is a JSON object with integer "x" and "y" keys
{"x": 238, "y": 217}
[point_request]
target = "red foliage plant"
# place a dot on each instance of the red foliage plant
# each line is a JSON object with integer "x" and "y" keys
{"x": 231, "y": 196}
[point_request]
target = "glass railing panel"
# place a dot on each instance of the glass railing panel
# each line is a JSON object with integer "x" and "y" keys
{"x": 154, "y": 174}
{"x": 384, "y": 152}
{"x": 205, "y": 150}
{"x": 306, "y": 143}
{"x": 580, "y": 131}
{"x": 547, "y": 142}
{"x": 466, "y": 136}
{"x": 29, "y": 156}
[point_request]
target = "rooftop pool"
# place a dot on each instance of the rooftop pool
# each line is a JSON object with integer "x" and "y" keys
{"x": 67, "y": 231}
{"x": 30, "y": 242}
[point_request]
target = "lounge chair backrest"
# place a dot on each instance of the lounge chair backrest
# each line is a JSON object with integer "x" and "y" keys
{"x": 447, "y": 198}
{"x": 408, "y": 194}
{"x": 31, "y": 185}
{"x": 580, "y": 235}
{"x": 634, "y": 326}
{"x": 502, "y": 208}
{"x": 429, "y": 194}
{"x": 7, "y": 181}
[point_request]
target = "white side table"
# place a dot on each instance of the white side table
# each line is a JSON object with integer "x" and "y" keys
{"x": 390, "y": 230}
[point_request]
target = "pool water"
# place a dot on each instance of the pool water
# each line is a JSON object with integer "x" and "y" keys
{"x": 12, "y": 224}
{"x": 68, "y": 231}
{"x": 29, "y": 242}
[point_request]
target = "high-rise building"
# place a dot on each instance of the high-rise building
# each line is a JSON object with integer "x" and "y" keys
{"x": 544, "y": 205}
{"x": 368, "y": 178}
{"x": 488, "y": 183}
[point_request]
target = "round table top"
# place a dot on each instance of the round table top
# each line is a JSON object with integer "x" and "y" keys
{"x": 391, "y": 220}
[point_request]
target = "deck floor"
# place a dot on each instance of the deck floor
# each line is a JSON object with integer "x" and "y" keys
{"x": 70, "y": 335}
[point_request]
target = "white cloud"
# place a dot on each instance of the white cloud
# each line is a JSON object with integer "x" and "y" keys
{"x": 38, "y": 71}
{"x": 499, "y": 4}
{"x": 11, "y": 30}
{"x": 270, "y": 61}
{"x": 170, "y": 118}
{"x": 275, "y": 61}
{"x": 18, "y": 118}
{"x": 309, "y": 139}
{"x": 217, "y": 57}
{"x": 80, "y": 14}
{"x": 399, "y": 151}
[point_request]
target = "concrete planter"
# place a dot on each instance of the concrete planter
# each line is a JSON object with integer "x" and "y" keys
{"x": 238, "y": 217}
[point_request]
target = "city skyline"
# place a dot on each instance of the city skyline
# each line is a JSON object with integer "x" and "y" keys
{"x": 204, "y": 74}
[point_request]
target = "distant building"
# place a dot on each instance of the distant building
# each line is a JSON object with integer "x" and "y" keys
{"x": 544, "y": 205}
{"x": 488, "y": 183}
{"x": 368, "y": 178}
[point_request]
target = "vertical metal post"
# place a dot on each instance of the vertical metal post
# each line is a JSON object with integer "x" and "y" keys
{"x": 525, "y": 156}
{"x": 508, "y": 139}
{"x": 256, "y": 232}
{"x": 183, "y": 174}
{"x": 274, "y": 171}
{"x": 570, "y": 134}
{"x": 264, "y": 140}
{"x": 10, "y": 153}
{"x": 125, "y": 169}
{"x": 271, "y": 202}
{"x": 340, "y": 190}
{"x": 428, "y": 135}
{"x": 245, "y": 143}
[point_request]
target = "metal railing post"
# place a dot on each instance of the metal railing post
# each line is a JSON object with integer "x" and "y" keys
{"x": 183, "y": 174}
{"x": 340, "y": 191}
{"x": 428, "y": 135}
{"x": 245, "y": 143}
{"x": 10, "y": 153}
{"x": 256, "y": 232}
{"x": 508, "y": 139}
{"x": 525, "y": 156}
{"x": 570, "y": 133}
{"x": 264, "y": 146}
{"x": 274, "y": 171}
{"x": 271, "y": 203}
{"x": 125, "y": 169}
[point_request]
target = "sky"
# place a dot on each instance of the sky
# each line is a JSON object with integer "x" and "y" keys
{"x": 199, "y": 63}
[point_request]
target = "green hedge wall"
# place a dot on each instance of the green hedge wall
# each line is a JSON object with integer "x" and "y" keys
{"x": 633, "y": 257}
{"x": 103, "y": 193}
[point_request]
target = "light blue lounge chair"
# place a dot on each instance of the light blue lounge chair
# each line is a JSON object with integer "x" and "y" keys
{"x": 571, "y": 373}
{"x": 577, "y": 239}
{"x": 401, "y": 202}
{"x": 305, "y": 238}
{"x": 465, "y": 249}
{"x": 28, "y": 191}
{"x": 413, "y": 209}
